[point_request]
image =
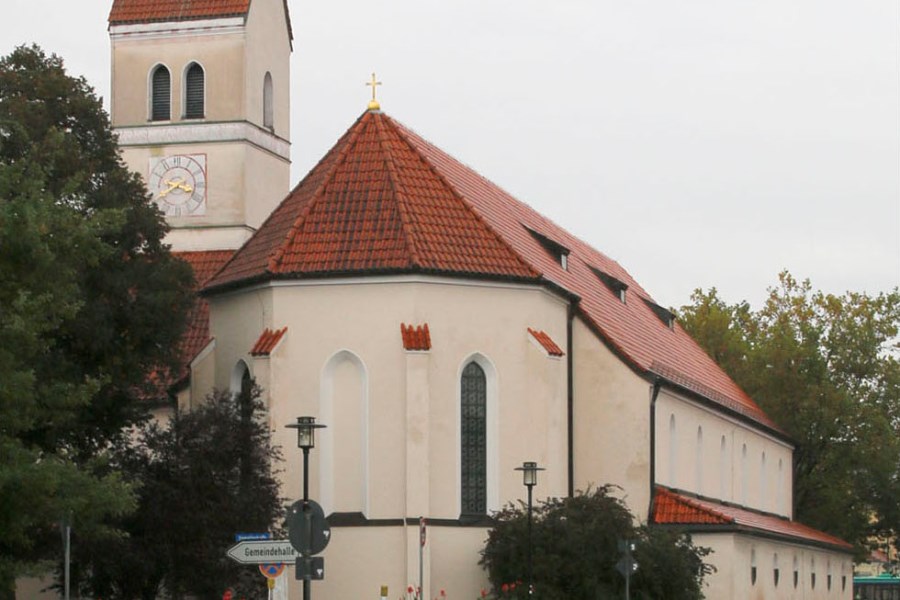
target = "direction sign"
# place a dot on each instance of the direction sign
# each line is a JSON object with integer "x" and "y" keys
{"x": 308, "y": 530}
{"x": 240, "y": 537}
{"x": 310, "y": 567}
{"x": 259, "y": 552}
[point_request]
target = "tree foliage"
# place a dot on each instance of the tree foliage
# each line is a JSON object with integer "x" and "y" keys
{"x": 826, "y": 369}
{"x": 90, "y": 301}
{"x": 202, "y": 477}
{"x": 575, "y": 544}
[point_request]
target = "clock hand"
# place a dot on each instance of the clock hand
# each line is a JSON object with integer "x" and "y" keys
{"x": 185, "y": 187}
{"x": 171, "y": 187}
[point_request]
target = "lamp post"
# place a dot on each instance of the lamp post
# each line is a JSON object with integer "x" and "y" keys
{"x": 529, "y": 479}
{"x": 306, "y": 440}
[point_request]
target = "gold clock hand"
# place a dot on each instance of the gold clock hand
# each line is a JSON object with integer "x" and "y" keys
{"x": 171, "y": 187}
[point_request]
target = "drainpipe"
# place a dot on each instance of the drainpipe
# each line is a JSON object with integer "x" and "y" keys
{"x": 656, "y": 385}
{"x": 570, "y": 401}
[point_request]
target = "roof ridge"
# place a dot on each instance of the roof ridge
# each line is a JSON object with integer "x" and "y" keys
{"x": 399, "y": 191}
{"x": 405, "y": 136}
{"x": 275, "y": 258}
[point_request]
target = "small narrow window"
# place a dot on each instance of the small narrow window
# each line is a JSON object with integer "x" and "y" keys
{"x": 796, "y": 572}
{"x": 268, "y": 107}
{"x": 812, "y": 573}
{"x": 753, "y": 567}
{"x": 843, "y": 582}
{"x": 473, "y": 405}
{"x": 194, "y": 92}
{"x": 776, "y": 572}
{"x": 160, "y": 95}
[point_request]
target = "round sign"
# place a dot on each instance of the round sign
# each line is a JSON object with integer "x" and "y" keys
{"x": 307, "y": 528}
{"x": 271, "y": 571}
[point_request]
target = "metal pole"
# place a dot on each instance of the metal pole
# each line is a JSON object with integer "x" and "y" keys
{"x": 530, "y": 564}
{"x": 307, "y": 514}
{"x": 68, "y": 551}
{"x": 421, "y": 562}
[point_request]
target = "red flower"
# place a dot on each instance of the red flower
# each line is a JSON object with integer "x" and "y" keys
{"x": 443, "y": 594}
{"x": 483, "y": 593}
{"x": 504, "y": 588}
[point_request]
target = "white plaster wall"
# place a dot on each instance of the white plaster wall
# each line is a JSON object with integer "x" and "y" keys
{"x": 611, "y": 422}
{"x": 363, "y": 317}
{"x": 268, "y": 50}
{"x": 689, "y": 416}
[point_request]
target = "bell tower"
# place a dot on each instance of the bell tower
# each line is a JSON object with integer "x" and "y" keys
{"x": 201, "y": 104}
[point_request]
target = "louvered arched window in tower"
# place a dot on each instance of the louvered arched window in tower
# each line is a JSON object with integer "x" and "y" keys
{"x": 473, "y": 430}
{"x": 160, "y": 94}
{"x": 194, "y": 92}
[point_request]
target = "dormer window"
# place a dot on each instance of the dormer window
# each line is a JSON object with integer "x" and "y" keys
{"x": 194, "y": 92}
{"x": 559, "y": 252}
{"x": 614, "y": 285}
{"x": 664, "y": 314}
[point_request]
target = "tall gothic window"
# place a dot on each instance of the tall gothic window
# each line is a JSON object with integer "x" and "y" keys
{"x": 473, "y": 403}
{"x": 194, "y": 92}
{"x": 161, "y": 95}
{"x": 268, "y": 103}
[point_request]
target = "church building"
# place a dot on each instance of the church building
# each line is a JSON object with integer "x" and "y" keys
{"x": 443, "y": 331}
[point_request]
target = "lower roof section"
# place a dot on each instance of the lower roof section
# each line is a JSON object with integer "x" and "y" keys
{"x": 670, "y": 507}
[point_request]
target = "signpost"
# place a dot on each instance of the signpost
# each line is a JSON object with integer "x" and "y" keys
{"x": 261, "y": 552}
{"x": 311, "y": 567}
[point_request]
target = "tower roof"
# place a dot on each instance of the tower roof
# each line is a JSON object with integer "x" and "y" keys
{"x": 143, "y": 11}
{"x": 384, "y": 200}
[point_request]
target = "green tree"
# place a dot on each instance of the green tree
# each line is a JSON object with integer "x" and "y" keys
{"x": 91, "y": 301}
{"x": 202, "y": 477}
{"x": 825, "y": 368}
{"x": 575, "y": 545}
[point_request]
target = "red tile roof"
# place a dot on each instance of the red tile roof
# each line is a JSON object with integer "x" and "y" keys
{"x": 672, "y": 508}
{"x": 196, "y": 336}
{"x": 267, "y": 341}
{"x": 415, "y": 337}
{"x": 143, "y": 11}
{"x": 546, "y": 342}
{"x": 150, "y": 11}
{"x": 384, "y": 200}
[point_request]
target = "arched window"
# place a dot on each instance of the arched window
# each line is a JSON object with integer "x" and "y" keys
{"x": 268, "y": 107}
{"x": 779, "y": 488}
{"x": 473, "y": 429}
{"x": 160, "y": 94}
{"x": 723, "y": 468}
{"x": 744, "y": 474}
{"x": 753, "y": 566}
{"x": 763, "y": 483}
{"x": 699, "y": 460}
{"x": 673, "y": 452}
{"x": 194, "y": 92}
{"x": 776, "y": 573}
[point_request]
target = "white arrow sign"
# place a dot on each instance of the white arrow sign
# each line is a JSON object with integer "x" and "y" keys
{"x": 263, "y": 552}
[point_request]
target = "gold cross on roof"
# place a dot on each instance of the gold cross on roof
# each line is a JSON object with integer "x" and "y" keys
{"x": 373, "y": 103}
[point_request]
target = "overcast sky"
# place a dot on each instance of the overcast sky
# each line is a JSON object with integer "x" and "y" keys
{"x": 699, "y": 143}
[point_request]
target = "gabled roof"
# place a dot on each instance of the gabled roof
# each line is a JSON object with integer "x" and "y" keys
{"x": 671, "y": 508}
{"x": 384, "y": 200}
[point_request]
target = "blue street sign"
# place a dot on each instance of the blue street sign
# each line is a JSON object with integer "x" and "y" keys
{"x": 240, "y": 537}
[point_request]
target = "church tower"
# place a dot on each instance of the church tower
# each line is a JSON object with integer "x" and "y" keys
{"x": 201, "y": 105}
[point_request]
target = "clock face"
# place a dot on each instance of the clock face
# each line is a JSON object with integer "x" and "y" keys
{"x": 178, "y": 184}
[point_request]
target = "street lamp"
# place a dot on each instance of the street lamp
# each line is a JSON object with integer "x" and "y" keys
{"x": 529, "y": 480}
{"x": 306, "y": 439}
